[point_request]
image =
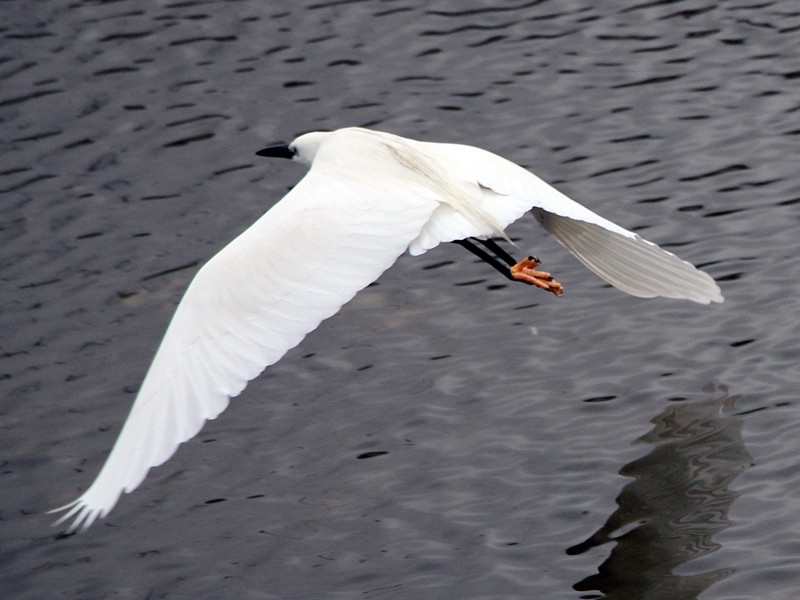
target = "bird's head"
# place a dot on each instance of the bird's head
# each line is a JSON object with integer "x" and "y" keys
{"x": 303, "y": 149}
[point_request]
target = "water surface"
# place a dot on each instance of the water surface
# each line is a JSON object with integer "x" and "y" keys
{"x": 513, "y": 445}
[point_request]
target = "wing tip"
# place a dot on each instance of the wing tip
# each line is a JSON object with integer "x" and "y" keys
{"x": 710, "y": 292}
{"x": 632, "y": 264}
{"x": 84, "y": 515}
{"x": 717, "y": 298}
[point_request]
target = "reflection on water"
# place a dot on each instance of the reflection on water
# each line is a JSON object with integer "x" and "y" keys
{"x": 678, "y": 500}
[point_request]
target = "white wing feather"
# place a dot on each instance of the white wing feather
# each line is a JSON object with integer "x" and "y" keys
{"x": 506, "y": 190}
{"x": 248, "y": 306}
{"x": 502, "y": 188}
{"x": 632, "y": 264}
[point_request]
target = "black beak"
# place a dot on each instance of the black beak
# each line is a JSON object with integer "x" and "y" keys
{"x": 277, "y": 152}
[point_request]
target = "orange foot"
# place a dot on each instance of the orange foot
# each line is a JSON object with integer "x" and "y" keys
{"x": 525, "y": 271}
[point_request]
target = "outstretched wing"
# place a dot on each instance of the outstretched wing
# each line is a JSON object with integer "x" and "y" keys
{"x": 251, "y": 303}
{"x": 620, "y": 257}
{"x": 631, "y": 263}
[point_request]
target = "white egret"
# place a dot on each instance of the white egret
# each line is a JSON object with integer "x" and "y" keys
{"x": 367, "y": 198}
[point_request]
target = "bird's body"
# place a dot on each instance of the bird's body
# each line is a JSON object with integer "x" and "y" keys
{"x": 368, "y": 197}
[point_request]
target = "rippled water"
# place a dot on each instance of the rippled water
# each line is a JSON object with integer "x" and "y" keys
{"x": 511, "y": 444}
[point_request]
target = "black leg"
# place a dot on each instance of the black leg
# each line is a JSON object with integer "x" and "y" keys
{"x": 488, "y": 258}
{"x": 523, "y": 271}
{"x": 499, "y": 252}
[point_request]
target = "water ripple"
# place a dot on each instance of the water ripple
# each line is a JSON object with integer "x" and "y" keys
{"x": 504, "y": 415}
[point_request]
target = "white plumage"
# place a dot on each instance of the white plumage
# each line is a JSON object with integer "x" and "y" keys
{"x": 368, "y": 197}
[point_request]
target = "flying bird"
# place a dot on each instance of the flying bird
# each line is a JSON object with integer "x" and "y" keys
{"x": 368, "y": 197}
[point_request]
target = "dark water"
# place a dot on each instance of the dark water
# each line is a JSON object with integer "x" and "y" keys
{"x": 592, "y": 446}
